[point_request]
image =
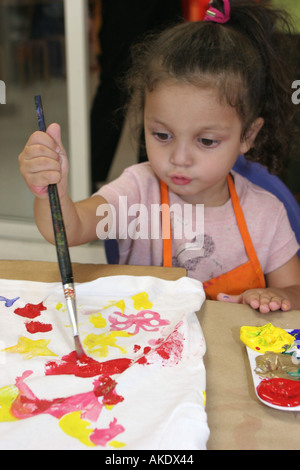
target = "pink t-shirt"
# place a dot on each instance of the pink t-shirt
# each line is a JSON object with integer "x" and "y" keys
{"x": 205, "y": 240}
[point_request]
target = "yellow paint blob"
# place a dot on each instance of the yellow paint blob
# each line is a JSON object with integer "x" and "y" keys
{"x": 98, "y": 344}
{"x": 31, "y": 348}
{"x": 116, "y": 444}
{"x": 204, "y": 396}
{"x": 109, "y": 407}
{"x": 97, "y": 320}
{"x": 7, "y": 397}
{"x": 266, "y": 338}
{"x": 119, "y": 304}
{"x": 74, "y": 426}
{"x": 141, "y": 301}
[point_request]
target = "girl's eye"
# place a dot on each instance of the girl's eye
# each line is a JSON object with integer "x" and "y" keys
{"x": 208, "y": 142}
{"x": 163, "y": 136}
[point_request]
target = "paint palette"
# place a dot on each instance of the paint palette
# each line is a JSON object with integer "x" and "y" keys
{"x": 280, "y": 392}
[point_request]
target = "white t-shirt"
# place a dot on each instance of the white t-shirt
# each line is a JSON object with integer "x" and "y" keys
{"x": 206, "y": 249}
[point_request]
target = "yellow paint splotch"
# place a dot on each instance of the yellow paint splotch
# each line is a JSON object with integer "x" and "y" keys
{"x": 119, "y": 304}
{"x": 98, "y": 345}
{"x": 7, "y": 397}
{"x": 97, "y": 320}
{"x": 116, "y": 444}
{"x": 141, "y": 301}
{"x": 266, "y": 338}
{"x": 74, "y": 426}
{"x": 31, "y": 348}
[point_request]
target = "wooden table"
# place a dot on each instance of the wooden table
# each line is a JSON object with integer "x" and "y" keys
{"x": 236, "y": 418}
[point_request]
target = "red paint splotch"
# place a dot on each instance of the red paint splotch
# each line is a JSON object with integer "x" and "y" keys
{"x": 166, "y": 351}
{"x": 280, "y": 392}
{"x": 30, "y": 310}
{"x": 143, "y": 359}
{"x": 38, "y": 327}
{"x": 86, "y": 367}
{"x": 105, "y": 387}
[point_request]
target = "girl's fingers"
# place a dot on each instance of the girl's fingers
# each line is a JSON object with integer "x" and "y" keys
{"x": 263, "y": 300}
{"x": 236, "y": 299}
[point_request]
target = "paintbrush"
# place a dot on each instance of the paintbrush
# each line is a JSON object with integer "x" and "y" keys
{"x": 62, "y": 248}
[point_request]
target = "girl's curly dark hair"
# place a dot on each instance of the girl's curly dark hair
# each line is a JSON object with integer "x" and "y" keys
{"x": 246, "y": 58}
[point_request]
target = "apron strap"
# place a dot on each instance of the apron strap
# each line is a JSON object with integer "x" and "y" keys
{"x": 250, "y": 250}
{"x": 166, "y": 225}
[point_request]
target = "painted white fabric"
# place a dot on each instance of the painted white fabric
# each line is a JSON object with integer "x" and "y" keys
{"x": 149, "y": 330}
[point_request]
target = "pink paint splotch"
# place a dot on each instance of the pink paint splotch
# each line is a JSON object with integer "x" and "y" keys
{"x": 100, "y": 437}
{"x": 27, "y": 404}
{"x": 146, "y": 320}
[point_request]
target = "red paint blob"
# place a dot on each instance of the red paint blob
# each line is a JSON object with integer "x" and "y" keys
{"x": 38, "y": 327}
{"x": 164, "y": 351}
{"x": 26, "y": 407}
{"x": 86, "y": 367}
{"x": 30, "y": 310}
{"x": 106, "y": 388}
{"x": 143, "y": 359}
{"x": 280, "y": 392}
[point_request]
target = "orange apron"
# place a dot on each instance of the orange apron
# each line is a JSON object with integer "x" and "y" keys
{"x": 246, "y": 276}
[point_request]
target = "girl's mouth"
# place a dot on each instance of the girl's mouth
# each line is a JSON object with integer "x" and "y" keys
{"x": 180, "y": 180}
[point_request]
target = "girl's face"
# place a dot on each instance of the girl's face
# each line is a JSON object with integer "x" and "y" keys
{"x": 193, "y": 141}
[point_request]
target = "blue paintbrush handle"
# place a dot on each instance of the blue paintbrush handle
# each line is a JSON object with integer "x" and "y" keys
{"x": 62, "y": 248}
{"x": 60, "y": 236}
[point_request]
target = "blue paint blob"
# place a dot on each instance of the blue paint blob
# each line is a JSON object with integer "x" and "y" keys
{"x": 8, "y": 302}
{"x": 296, "y": 334}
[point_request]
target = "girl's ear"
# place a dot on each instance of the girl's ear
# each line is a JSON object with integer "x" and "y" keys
{"x": 248, "y": 140}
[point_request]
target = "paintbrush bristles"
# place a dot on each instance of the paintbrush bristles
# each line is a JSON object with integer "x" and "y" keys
{"x": 78, "y": 347}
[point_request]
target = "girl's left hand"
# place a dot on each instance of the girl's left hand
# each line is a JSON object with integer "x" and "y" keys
{"x": 265, "y": 300}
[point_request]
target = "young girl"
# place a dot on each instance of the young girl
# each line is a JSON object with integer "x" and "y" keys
{"x": 208, "y": 91}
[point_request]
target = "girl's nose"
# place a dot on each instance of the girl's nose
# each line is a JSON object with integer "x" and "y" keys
{"x": 180, "y": 156}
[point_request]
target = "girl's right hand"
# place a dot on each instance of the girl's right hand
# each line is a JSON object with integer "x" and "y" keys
{"x": 43, "y": 161}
